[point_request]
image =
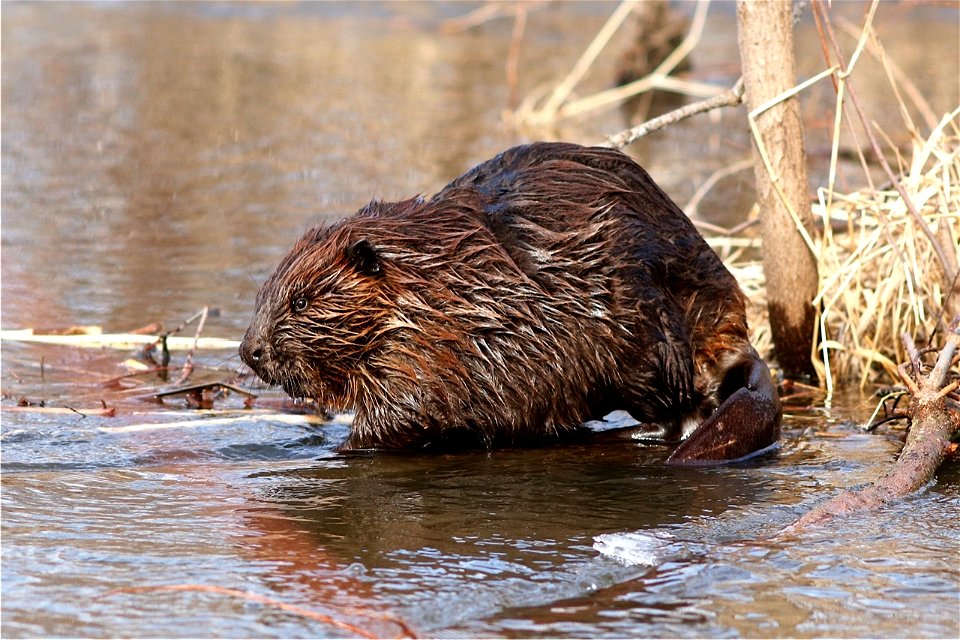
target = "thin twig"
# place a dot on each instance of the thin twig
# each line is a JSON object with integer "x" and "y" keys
{"x": 196, "y": 388}
{"x": 873, "y": 423}
{"x": 202, "y": 313}
{"x": 692, "y": 88}
{"x": 764, "y": 156}
{"x": 563, "y": 89}
{"x": 913, "y": 355}
{"x": 659, "y": 78}
{"x": 938, "y": 376}
{"x": 730, "y": 98}
{"x": 909, "y": 88}
{"x": 694, "y": 202}
{"x": 480, "y": 15}
{"x": 731, "y": 232}
{"x": 188, "y": 365}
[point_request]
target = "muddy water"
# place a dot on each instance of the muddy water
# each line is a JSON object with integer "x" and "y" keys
{"x": 159, "y": 158}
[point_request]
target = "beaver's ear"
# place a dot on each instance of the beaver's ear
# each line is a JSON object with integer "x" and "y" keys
{"x": 364, "y": 257}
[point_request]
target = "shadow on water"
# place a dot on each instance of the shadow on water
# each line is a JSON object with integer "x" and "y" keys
{"x": 382, "y": 502}
{"x": 478, "y": 531}
{"x": 159, "y": 157}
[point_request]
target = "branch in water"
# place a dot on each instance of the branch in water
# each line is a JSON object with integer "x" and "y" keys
{"x": 934, "y": 419}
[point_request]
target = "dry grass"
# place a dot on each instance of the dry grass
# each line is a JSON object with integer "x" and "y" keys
{"x": 880, "y": 276}
{"x": 749, "y": 273}
{"x": 880, "y": 264}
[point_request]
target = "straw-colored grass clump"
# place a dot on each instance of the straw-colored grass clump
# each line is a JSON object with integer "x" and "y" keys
{"x": 880, "y": 276}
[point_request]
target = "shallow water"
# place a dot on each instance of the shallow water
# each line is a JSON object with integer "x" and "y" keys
{"x": 159, "y": 158}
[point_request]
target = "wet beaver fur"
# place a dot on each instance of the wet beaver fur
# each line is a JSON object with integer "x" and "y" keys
{"x": 543, "y": 288}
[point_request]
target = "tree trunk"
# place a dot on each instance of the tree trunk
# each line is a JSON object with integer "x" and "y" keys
{"x": 765, "y": 34}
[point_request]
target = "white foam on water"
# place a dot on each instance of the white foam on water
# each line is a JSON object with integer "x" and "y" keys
{"x": 636, "y": 548}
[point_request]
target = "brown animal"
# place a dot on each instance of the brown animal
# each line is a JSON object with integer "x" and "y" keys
{"x": 543, "y": 288}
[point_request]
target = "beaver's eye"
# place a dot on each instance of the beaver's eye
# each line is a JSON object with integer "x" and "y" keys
{"x": 300, "y": 304}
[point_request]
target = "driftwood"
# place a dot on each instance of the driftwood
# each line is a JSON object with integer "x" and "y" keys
{"x": 934, "y": 412}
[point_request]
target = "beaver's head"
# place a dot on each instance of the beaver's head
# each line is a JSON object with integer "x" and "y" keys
{"x": 317, "y": 316}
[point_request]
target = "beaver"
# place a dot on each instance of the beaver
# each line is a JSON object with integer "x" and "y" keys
{"x": 543, "y": 288}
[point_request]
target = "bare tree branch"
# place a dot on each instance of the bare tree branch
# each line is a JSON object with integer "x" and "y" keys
{"x": 730, "y": 98}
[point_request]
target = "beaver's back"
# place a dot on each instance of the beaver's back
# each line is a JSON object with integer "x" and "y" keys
{"x": 481, "y": 349}
{"x": 566, "y": 212}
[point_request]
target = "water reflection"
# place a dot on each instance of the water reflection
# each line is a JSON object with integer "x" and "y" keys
{"x": 201, "y": 146}
{"x": 370, "y": 506}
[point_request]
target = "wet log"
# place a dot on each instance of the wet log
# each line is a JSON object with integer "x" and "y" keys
{"x": 934, "y": 417}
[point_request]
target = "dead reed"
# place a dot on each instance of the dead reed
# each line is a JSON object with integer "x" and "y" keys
{"x": 880, "y": 276}
{"x": 887, "y": 254}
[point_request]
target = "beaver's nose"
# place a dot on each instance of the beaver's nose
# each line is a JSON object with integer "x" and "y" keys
{"x": 251, "y": 349}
